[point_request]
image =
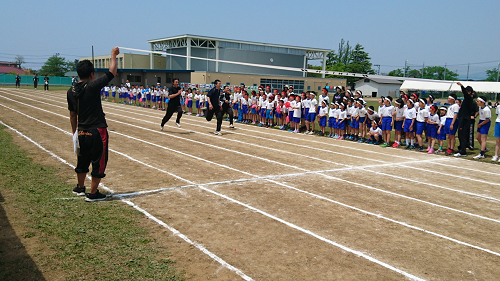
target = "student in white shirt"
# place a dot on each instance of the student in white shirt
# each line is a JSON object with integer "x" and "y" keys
{"x": 332, "y": 120}
{"x": 297, "y": 113}
{"x": 409, "y": 124}
{"x": 441, "y": 135}
{"x": 375, "y": 133}
{"x": 341, "y": 121}
{"x": 432, "y": 127}
{"x": 387, "y": 115}
{"x": 398, "y": 121}
{"x": 311, "y": 116}
{"x": 322, "y": 115}
{"x": 451, "y": 125}
{"x": 497, "y": 135}
{"x": 483, "y": 126}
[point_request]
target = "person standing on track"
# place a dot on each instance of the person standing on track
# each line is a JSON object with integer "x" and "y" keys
{"x": 18, "y": 81}
{"x": 213, "y": 98}
{"x": 86, "y": 115}
{"x": 35, "y": 81}
{"x": 226, "y": 104}
{"x": 46, "y": 83}
{"x": 464, "y": 119}
{"x": 174, "y": 104}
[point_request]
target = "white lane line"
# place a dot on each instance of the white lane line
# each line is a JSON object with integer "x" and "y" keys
{"x": 185, "y": 238}
{"x": 336, "y": 163}
{"x": 173, "y": 230}
{"x": 132, "y": 109}
{"x": 287, "y": 186}
{"x": 358, "y": 253}
{"x": 192, "y": 184}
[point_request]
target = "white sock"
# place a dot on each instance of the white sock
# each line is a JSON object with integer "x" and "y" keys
{"x": 412, "y": 141}
{"x": 407, "y": 141}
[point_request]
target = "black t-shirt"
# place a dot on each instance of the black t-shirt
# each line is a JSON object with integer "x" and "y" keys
{"x": 214, "y": 96}
{"x": 35, "y": 79}
{"x": 18, "y": 78}
{"x": 467, "y": 108}
{"x": 175, "y": 101}
{"x": 89, "y": 109}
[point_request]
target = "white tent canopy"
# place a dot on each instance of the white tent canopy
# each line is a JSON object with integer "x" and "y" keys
{"x": 444, "y": 86}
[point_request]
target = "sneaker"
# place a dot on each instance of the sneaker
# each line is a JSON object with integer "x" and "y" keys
{"x": 407, "y": 147}
{"x": 459, "y": 155}
{"x": 178, "y": 125}
{"x": 231, "y": 126}
{"x": 412, "y": 147}
{"x": 80, "y": 191}
{"x": 428, "y": 148}
{"x": 439, "y": 151}
{"x": 384, "y": 144}
{"x": 495, "y": 158}
{"x": 161, "y": 128}
{"x": 361, "y": 141}
{"x": 479, "y": 156}
{"x": 340, "y": 138}
{"x": 420, "y": 148}
{"x": 487, "y": 150}
{"x": 448, "y": 152}
{"x": 431, "y": 151}
{"x": 97, "y": 196}
{"x": 217, "y": 133}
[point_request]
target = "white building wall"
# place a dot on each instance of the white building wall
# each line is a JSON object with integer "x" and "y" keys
{"x": 380, "y": 89}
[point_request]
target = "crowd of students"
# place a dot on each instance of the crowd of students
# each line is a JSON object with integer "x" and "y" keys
{"x": 344, "y": 116}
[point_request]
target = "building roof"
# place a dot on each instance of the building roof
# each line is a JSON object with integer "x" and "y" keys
{"x": 236, "y": 41}
{"x": 382, "y": 81}
{"x": 5, "y": 69}
{"x": 145, "y": 70}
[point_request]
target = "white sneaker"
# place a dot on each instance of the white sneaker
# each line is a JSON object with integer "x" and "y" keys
{"x": 479, "y": 156}
{"x": 231, "y": 126}
{"x": 459, "y": 155}
{"x": 495, "y": 158}
{"x": 161, "y": 128}
{"x": 178, "y": 125}
{"x": 217, "y": 133}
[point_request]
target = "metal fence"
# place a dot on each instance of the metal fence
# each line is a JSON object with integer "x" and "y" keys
{"x": 10, "y": 79}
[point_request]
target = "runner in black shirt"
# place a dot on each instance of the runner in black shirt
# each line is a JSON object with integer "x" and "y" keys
{"x": 86, "y": 115}
{"x": 174, "y": 104}
{"x": 18, "y": 81}
{"x": 225, "y": 98}
{"x": 213, "y": 98}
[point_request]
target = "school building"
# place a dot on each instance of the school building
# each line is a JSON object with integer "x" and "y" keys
{"x": 201, "y": 60}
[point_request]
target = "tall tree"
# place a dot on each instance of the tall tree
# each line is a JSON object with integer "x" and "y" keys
{"x": 430, "y": 72}
{"x": 19, "y": 60}
{"x": 55, "y": 66}
{"x": 492, "y": 74}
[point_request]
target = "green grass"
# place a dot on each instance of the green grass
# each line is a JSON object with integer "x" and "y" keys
{"x": 93, "y": 241}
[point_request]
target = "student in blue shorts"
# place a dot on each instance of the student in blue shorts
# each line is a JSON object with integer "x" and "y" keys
{"x": 497, "y": 135}
{"x": 410, "y": 116}
{"x": 483, "y": 126}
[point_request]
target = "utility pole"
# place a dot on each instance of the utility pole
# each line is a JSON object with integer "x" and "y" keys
{"x": 378, "y": 65}
{"x": 423, "y": 66}
{"x": 498, "y": 72}
{"x": 468, "y": 66}
{"x": 406, "y": 63}
{"x": 93, "y": 55}
{"x": 444, "y": 71}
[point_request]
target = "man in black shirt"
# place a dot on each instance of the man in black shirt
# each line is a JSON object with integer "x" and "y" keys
{"x": 174, "y": 104}
{"x": 18, "y": 81}
{"x": 213, "y": 98}
{"x": 35, "y": 81}
{"x": 46, "y": 83}
{"x": 86, "y": 115}
{"x": 464, "y": 119}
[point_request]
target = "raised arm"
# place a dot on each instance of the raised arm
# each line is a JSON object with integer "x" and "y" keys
{"x": 112, "y": 64}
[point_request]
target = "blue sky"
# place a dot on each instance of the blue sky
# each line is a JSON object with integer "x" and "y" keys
{"x": 430, "y": 32}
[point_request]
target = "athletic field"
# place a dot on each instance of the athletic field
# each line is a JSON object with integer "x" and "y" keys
{"x": 265, "y": 204}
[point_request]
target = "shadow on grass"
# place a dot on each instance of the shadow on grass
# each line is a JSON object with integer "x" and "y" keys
{"x": 15, "y": 262}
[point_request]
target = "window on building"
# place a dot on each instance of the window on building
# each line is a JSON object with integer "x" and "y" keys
{"x": 158, "y": 80}
{"x": 134, "y": 78}
{"x": 298, "y": 85}
{"x": 121, "y": 62}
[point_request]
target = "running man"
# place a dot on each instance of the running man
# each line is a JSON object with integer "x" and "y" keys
{"x": 213, "y": 98}
{"x": 226, "y": 105}
{"x": 174, "y": 104}
{"x": 86, "y": 115}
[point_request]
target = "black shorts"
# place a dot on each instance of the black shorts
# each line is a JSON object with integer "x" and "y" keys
{"x": 93, "y": 149}
{"x": 18, "y": 83}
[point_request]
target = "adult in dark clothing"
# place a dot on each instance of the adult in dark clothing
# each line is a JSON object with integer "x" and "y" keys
{"x": 35, "y": 81}
{"x": 46, "y": 83}
{"x": 464, "y": 119}
{"x": 86, "y": 115}
{"x": 213, "y": 98}
{"x": 18, "y": 81}
{"x": 174, "y": 104}
{"x": 225, "y": 98}
{"x": 473, "y": 116}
